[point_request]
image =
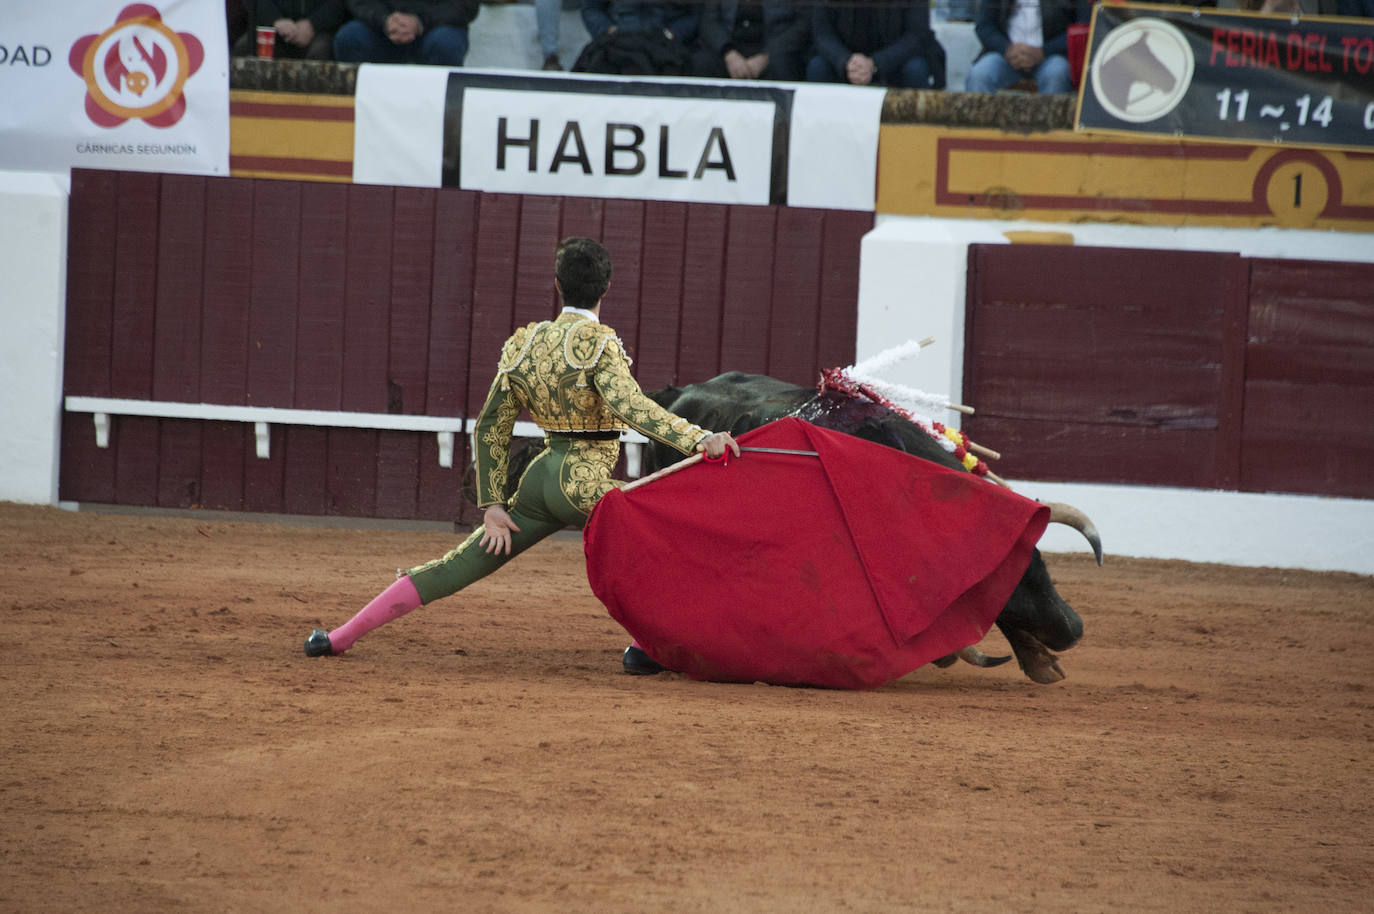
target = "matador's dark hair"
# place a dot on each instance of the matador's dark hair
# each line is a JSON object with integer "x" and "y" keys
{"x": 583, "y": 269}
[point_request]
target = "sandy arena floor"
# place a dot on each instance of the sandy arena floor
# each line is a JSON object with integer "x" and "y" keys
{"x": 167, "y": 746}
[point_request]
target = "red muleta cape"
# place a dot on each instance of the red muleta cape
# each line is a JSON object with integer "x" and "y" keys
{"x": 846, "y": 570}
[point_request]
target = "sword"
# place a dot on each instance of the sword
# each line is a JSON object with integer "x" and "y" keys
{"x": 724, "y": 458}
{"x": 778, "y": 450}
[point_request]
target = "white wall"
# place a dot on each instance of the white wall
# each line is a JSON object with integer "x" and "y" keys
{"x": 911, "y": 285}
{"x": 33, "y": 293}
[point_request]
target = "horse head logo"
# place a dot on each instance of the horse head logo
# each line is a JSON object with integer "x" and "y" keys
{"x": 1142, "y": 70}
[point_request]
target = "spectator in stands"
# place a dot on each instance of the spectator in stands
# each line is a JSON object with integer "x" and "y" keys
{"x": 406, "y": 31}
{"x": 236, "y": 21}
{"x": 752, "y": 39}
{"x": 1024, "y": 40}
{"x": 305, "y": 28}
{"x": 876, "y": 42}
{"x": 548, "y": 16}
{"x": 642, "y": 37}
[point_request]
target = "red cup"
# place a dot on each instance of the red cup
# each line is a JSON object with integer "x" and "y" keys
{"x": 1078, "y": 51}
{"x": 267, "y": 40}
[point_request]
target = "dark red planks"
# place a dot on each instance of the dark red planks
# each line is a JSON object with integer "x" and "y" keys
{"x": 837, "y": 324}
{"x": 703, "y": 285}
{"x": 179, "y": 469}
{"x": 665, "y": 225}
{"x": 136, "y": 461}
{"x": 351, "y": 475}
{"x": 582, "y": 217}
{"x": 305, "y": 487}
{"x": 1288, "y": 448}
{"x": 135, "y": 286}
{"x": 264, "y": 481}
{"x": 1088, "y": 452}
{"x": 87, "y": 472}
{"x": 493, "y": 290}
{"x": 1309, "y": 378}
{"x": 396, "y": 300}
{"x": 535, "y": 298}
{"x": 412, "y": 270}
{"x": 92, "y": 233}
{"x": 748, "y": 296}
{"x": 398, "y": 473}
{"x": 367, "y": 298}
{"x": 274, "y": 286}
{"x": 319, "y": 322}
{"x": 450, "y": 317}
{"x": 1049, "y": 329}
{"x": 226, "y": 445}
{"x": 623, "y": 235}
{"x": 795, "y": 316}
{"x": 440, "y": 495}
{"x": 180, "y": 289}
{"x": 228, "y": 261}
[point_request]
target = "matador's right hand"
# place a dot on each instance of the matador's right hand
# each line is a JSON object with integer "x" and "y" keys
{"x": 715, "y": 444}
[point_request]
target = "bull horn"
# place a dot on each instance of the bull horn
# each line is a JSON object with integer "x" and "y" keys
{"x": 1070, "y": 516}
{"x": 978, "y": 658}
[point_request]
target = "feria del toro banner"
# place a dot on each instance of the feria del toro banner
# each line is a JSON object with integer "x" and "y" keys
{"x": 113, "y": 84}
{"x": 1232, "y": 76}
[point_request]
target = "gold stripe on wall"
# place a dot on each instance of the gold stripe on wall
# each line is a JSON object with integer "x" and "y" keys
{"x": 1062, "y": 175}
{"x": 290, "y": 135}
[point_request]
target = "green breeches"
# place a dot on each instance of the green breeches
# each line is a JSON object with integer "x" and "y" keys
{"x": 559, "y": 489}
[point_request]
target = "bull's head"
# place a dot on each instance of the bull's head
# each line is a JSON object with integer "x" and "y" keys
{"x": 1036, "y": 620}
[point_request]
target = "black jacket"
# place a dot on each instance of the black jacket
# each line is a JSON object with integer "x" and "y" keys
{"x": 324, "y": 15}
{"x": 786, "y": 29}
{"x": 431, "y": 12}
{"x": 890, "y": 33}
{"x": 1055, "y": 18}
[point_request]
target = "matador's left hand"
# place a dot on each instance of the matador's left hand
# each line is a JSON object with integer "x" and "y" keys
{"x": 497, "y": 528}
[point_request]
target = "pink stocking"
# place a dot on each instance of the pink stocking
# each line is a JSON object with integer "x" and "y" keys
{"x": 388, "y": 606}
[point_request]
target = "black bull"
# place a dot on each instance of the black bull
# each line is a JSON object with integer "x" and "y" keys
{"x": 1035, "y": 621}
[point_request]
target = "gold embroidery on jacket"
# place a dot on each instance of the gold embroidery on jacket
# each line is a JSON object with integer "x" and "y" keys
{"x": 572, "y": 374}
{"x": 585, "y": 475}
{"x": 497, "y": 443}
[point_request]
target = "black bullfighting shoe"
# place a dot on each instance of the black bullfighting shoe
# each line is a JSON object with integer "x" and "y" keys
{"x": 638, "y": 663}
{"x": 317, "y": 645}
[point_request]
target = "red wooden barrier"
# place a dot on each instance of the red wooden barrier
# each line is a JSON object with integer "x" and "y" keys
{"x": 394, "y": 300}
{"x": 1172, "y": 368}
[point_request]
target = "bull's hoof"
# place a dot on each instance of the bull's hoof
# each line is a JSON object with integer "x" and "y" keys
{"x": 638, "y": 663}
{"x": 1035, "y": 660}
{"x": 1044, "y": 670}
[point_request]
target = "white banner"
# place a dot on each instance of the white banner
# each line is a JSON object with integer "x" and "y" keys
{"x": 113, "y": 84}
{"x": 688, "y": 140}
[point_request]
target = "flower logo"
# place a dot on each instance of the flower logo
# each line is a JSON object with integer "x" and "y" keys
{"x": 137, "y": 68}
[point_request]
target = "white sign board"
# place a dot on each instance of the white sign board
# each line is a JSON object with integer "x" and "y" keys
{"x": 112, "y": 84}
{"x": 687, "y": 140}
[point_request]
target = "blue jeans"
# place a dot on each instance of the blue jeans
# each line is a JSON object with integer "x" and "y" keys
{"x": 443, "y": 45}
{"x": 913, "y": 74}
{"x": 548, "y": 17}
{"x": 992, "y": 72}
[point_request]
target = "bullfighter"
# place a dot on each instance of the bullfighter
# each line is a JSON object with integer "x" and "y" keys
{"x": 573, "y": 376}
